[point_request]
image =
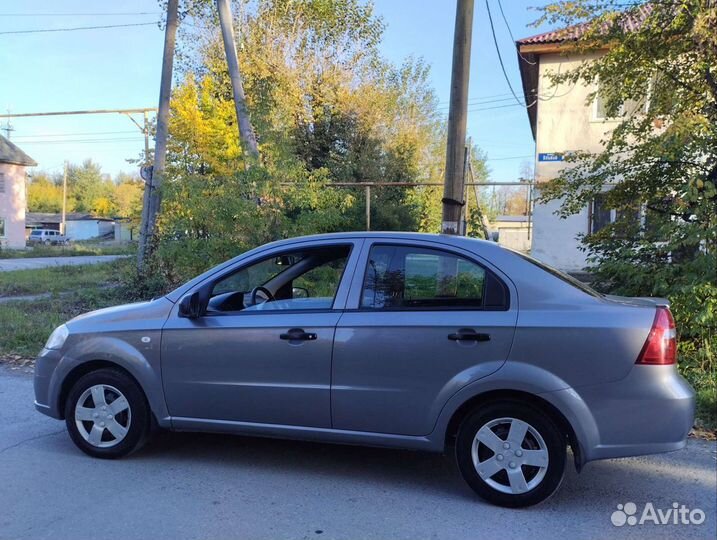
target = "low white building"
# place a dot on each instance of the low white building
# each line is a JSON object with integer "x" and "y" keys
{"x": 78, "y": 226}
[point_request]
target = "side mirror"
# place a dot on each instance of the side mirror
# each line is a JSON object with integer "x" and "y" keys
{"x": 299, "y": 292}
{"x": 190, "y": 306}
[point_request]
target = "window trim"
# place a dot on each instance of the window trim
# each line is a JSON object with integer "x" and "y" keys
{"x": 289, "y": 249}
{"x": 501, "y": 281}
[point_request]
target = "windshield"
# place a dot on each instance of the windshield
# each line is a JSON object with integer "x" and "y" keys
{"x": 36, "y": 233}
{"x": 558, "y": 274}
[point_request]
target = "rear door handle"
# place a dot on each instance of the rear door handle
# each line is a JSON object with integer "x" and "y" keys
{"x": 298, "y": 334}
{"x": 467, "y": 334}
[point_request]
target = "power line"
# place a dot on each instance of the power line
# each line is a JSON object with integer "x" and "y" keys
{"x": 84, "y": 14}
{"x": 477, "y": 98}
{"x": 44, "y": 30}
{"x": 85, "y": 141}
{"x": 507, "y": 158}
{"x": 505, "y": 20}
{"x": 486, "y": 102}
{"x": 500, "y": 59}
{"x": 36, "y": 135}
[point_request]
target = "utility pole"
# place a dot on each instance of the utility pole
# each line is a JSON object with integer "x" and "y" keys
{"x": 64, "y": 200}
{"x": 152, "y": 186}
{"x": 455, "y": 147}
{"x": 246, "y": 134}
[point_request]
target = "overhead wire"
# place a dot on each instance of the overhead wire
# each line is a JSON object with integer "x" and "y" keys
{"x": 505, "y": 20}
{"x": 500, "y": 59}
{"x": 46, "y": 30}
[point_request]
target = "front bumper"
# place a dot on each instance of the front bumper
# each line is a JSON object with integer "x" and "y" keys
{"x": 650, "y": 411}
{"x": 45, "y": 365}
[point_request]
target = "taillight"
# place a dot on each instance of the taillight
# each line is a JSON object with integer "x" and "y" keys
{"x": 661, "y": 345}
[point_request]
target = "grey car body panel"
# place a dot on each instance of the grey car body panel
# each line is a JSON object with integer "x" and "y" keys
{"x": 128, "y": 336}
{"x": 573, "y": 350}
{"x": 382, "y": 382}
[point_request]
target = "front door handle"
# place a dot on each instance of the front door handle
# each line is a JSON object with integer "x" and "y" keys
{"x": 298, "y": 334}
{"x": 468, "y": 334}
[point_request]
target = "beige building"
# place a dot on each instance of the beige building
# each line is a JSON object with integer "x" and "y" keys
{"x": 13, "y": 163}
{"x": 562, "y": 119}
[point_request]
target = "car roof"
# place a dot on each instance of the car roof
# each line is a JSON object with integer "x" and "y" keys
{"x": 449, "y": 239}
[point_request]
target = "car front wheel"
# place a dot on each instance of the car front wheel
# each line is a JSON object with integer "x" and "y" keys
{"x": 511, "y": 454}
{"x": 107, "y": 415}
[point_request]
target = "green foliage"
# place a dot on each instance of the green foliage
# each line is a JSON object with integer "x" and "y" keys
{"x": 326, "y": 108}
{"x": 660, "y": 161}
{"x": 88, "y": 191}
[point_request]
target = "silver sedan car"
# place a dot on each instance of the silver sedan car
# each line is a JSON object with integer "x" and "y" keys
{"x": 389, "y": 339}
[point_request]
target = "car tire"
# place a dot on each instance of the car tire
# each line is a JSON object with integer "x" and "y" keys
{"x": 107, "y": 414}
{"x": 511, "y": 454}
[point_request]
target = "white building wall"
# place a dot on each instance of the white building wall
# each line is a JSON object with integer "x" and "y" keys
{"x": 12, "y": 206}
{"x": 566, "y": 123}
{"x": 82, "y": 230}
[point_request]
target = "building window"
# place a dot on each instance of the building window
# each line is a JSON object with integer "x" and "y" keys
{"x": 629, "y": 107}
{"x": 602, "y": 215}
{"x": 2, "y": 182}
{"x": 2, "y": 228}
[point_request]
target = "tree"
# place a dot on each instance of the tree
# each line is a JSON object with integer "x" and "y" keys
{"x": 89, "y": 189}
{"x": 658, "y": 77}
{"x": 127, "y": 198}
{"x": 43, "y": 194}
{"x": 326, "y": 108}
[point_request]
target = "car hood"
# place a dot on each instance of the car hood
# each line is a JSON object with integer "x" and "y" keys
{"x": 144, "y": 311}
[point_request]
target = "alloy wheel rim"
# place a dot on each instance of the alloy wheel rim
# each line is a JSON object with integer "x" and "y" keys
{"x": 510, "y": 455}
{"x": 103, "y": 416}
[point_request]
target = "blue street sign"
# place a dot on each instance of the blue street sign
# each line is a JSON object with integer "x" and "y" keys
{"x": 550, "y": 157}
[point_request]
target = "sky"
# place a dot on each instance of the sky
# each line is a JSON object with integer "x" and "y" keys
{"x": 114, "y": 68}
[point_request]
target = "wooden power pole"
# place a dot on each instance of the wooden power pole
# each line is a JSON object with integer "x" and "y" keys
{"x": 457, "y": 112}
{"x": 152, "y": 194}
{"x": 246, "y": 134}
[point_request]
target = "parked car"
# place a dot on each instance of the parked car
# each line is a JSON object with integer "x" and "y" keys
{"x": 390, "y": 339}
{"x": 47, "y": 237}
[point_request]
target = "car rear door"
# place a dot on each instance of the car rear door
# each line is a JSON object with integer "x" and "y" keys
{"x": 422, "y": 320}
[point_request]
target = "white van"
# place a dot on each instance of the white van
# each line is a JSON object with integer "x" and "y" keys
{"x": 47, "y": 237}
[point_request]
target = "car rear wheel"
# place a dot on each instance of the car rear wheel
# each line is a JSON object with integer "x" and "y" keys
{"x": 511, "y": 454}
{"x": 107, "y": 415}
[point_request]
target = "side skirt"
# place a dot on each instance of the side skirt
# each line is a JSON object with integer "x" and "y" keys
{"x": 326, "y": 435}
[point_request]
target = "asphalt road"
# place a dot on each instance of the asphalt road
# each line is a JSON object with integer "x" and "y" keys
{"x": 194, "y": 486}
{"x": 32, "y": 263}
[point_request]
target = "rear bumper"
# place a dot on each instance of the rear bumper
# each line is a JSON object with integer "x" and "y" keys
{"x": 648, "y": 412}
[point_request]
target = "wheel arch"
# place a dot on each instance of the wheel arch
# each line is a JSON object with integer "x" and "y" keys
{"x": 491, "y": 396}
{"x": 83, "y": 369}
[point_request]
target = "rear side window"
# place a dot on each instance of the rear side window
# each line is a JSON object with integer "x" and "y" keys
{"x": 406, "y": 277}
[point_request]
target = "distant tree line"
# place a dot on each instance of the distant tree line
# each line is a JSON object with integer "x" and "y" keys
{"x": 88, "y": 190}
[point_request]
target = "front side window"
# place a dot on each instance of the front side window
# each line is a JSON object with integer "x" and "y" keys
{"x": 301, "y": 279}
{"x": 403, "y": 277}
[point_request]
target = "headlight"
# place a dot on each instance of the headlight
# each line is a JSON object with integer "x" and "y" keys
{"x": 57, "y": 338}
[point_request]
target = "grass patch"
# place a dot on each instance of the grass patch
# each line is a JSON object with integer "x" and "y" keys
{"x": 58, "y": 279}
{"x": 706, "y": 409}
{"x": 27, "y": 324}
{"x": 75, "y": 249}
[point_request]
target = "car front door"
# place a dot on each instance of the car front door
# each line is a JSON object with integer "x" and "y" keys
{"x": 265, "y": 359}
{"x": 422, "y": 320}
